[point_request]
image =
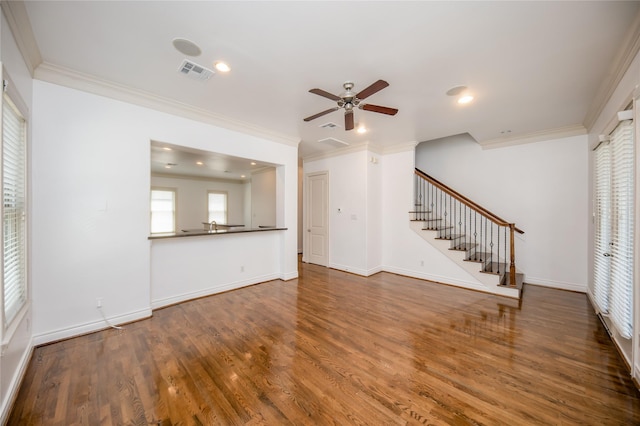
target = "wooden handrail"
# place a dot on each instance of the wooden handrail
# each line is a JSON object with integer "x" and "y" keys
{"x": 464, "y": 200}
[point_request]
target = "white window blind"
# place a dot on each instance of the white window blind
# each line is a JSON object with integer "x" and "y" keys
{"x": 602, "y": 255}
{"x": 163, "y": 210}
{"x": 217, "y": 203}
{"x": 622, "y": 211}
{"x": 14, "y": 210}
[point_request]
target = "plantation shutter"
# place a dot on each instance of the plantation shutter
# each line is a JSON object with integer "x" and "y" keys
{"x": 602, "y": 256}
{"x": 622, "y": 200}
{"x": 14, "y": 209}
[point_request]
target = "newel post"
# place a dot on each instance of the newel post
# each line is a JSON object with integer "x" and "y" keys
{"x": 512, "y": 266}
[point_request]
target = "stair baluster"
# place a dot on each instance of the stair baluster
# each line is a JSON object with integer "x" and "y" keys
{"x": 455, "y": 218}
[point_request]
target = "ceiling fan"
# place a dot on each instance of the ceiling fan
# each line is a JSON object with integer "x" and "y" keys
{"x": 349, "y": 100}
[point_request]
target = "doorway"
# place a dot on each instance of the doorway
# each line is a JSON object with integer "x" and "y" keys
{"x": 317, "y": 218}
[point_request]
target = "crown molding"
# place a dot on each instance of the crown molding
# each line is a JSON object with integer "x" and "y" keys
{"x": 16, "y": 14}
{"x": 401, "y": 147}
{"x": 626, "y": 54}
{"x": 336, "y": 152}
{"x": 543, "y": 135}
{"x": 87, "y": 83}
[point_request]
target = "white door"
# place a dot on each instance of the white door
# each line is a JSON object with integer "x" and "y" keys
{"x": 317, "y": 223}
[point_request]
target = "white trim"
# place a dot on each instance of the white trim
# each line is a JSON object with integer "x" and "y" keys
{"x": 90, "y": 327}
{"x": 80, "y": 81}
{"x": 287, "y": 276}
{"x": 366, "y": 146}
{"x": 18, "y": 19}
{"x": 542, "y": 135}
{"x": 336, "y": 152}
{"x": 561, "y": 285}
{"x": 624, "y": 57}
{"x": 470, "y": 285}
{"x": 401, "y": 147}
{"x": 14, "y": 385}
{"x": 159, "y": 303}
{"x": 357, "y": 271}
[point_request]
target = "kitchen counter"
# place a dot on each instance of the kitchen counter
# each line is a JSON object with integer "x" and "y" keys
{"x": 222, "y": 229}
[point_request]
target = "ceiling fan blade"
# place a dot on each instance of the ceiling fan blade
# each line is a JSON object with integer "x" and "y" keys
{"x": 325, "y": 94}
{"x": 320, "y": 114}
{"x": 375, "y": 87}
{"x": 378, "y": 108}
{"x": 348, "y": 120}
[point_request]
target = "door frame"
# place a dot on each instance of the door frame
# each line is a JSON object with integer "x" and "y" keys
{"x": 307, "y": 215}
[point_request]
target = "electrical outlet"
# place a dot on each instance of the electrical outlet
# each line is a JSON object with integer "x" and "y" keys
{"x": 98, "y": 302}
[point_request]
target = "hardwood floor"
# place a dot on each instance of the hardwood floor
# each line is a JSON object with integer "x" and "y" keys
{"x": 336, "y": 348}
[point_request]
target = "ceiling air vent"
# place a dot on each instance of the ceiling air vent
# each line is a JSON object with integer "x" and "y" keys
{"x": 333, "y": 142}
{"x": 328, "y": 125}
{"x": 195, "y": 71}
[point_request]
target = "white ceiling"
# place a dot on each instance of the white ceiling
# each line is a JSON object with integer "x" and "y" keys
{"x": 532, "y": 66}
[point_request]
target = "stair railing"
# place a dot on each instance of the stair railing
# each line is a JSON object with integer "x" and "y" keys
{"x": 473, "y": 228}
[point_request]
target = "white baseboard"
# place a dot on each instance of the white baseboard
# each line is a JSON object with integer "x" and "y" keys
{"x": 435, "y": 278}
{"x": 159, "y": 303}
{"x": 562, "y": 285}
{"x": 351, "y": 269}
{"x": 16, "y": 381}
{"x": 78, "y": 330}
{"x": 289, "y": 276}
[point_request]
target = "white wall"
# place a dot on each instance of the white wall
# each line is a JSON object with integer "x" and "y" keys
{"x": 190, "y": 267}
{"x": 191, "y": 199}
{"x": 91, "y": 217}
{"x": 263, "y": 198}
{"x": 542, "y": 187}
{"x": 374, "y": 217}
{"x": 348, "y": 176}
{"x": 14, "y": 358}
{"x": 403, "y": 251}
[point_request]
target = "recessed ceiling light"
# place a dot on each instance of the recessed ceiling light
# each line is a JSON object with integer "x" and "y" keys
{"x": 186, "y": 47}
{"x": 455, "y": 91}
{"x": 362, "y": 129}
{"x": 167, "y": 166}
{"x": 166, "y": 148}
{"x": 222, "y": 67}
{"x": 465, "y": 99}
{"x": 253, "y": 163}
{"x": 243, "y": 176}
{"x": 199, "y": 163}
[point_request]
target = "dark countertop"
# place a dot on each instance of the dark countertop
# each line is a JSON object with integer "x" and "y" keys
{"x": 201, "y": 232}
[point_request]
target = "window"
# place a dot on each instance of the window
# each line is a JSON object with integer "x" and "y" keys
{"x": 163, "y": 210}
{"x": 217, "y": 206}
{"x": 613, "y": 261}
{"x": 14, "y": 210}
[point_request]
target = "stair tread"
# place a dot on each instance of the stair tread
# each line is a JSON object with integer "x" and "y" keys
{"x": 519, "y": 281}
{"x": 494, "y": 267}
{"x": 450, "y": 237}
{"x": 480, "y": 257}
{"x": 464, "y": 247}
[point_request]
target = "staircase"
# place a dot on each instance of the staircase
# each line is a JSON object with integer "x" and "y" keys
{"x": 478, "y": 240}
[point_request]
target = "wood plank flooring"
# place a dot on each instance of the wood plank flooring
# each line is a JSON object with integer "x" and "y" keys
{"x": 336, "y": 348}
